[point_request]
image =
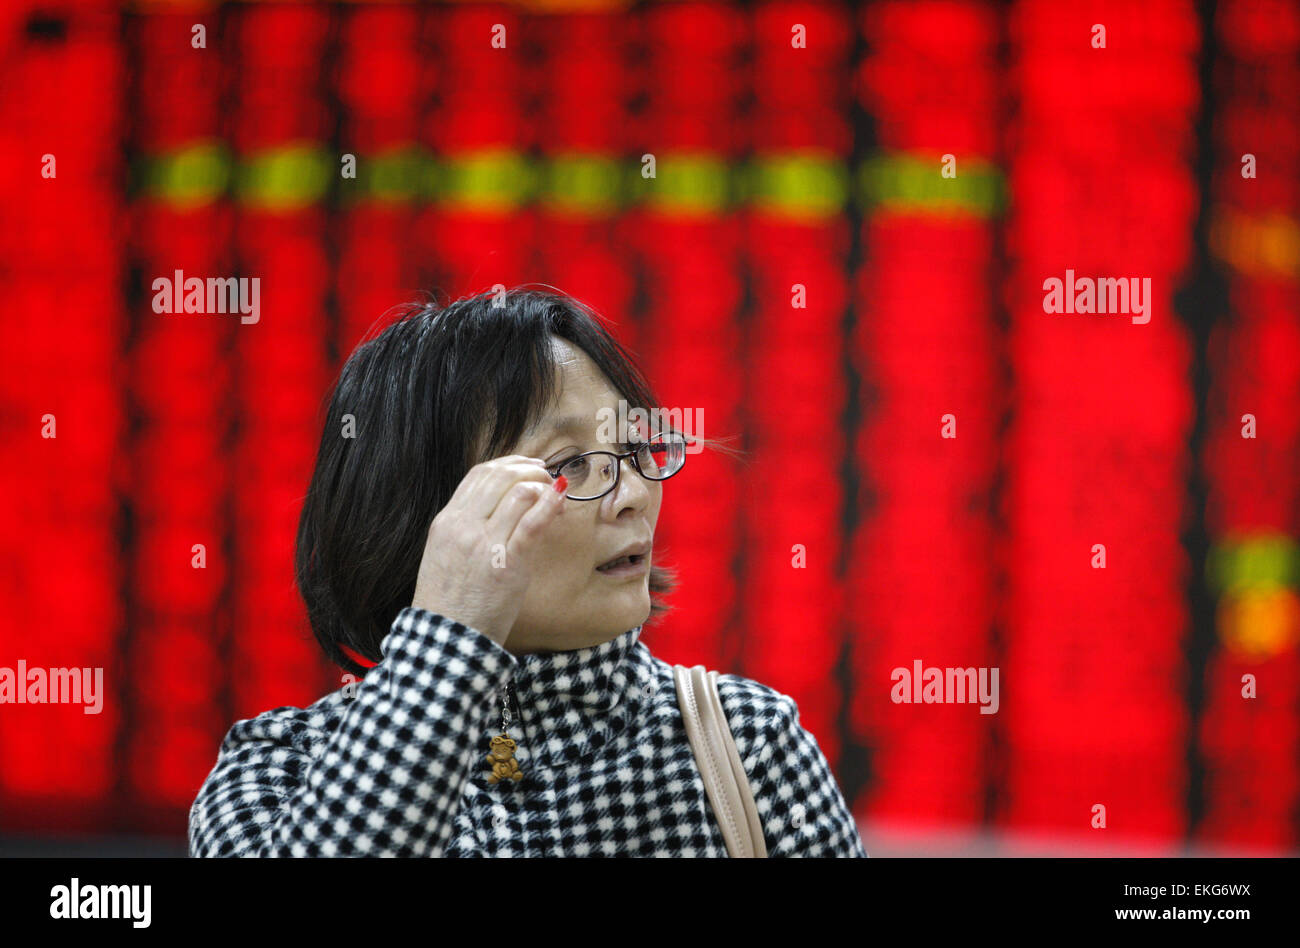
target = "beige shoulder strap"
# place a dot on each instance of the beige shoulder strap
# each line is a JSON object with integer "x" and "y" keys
{"x": 725, "y": 780}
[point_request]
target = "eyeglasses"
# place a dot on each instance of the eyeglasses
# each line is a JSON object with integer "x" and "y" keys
{"x": 594, "y": 474}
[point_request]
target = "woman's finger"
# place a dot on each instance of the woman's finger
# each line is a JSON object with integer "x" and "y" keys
{"x": 535, "y": 519}
{"x": 498, "y": 481}
{"x": 521, "y": 515}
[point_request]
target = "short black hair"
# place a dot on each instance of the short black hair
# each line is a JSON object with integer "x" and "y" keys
{"x": 438, "y": 390}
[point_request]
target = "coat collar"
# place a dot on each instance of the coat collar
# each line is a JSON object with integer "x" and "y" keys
{"x": 572, "y": 703}
{"x": 595, "y": 677}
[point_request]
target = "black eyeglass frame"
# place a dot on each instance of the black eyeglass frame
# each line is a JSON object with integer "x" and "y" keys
{"x": 618, "y": 464}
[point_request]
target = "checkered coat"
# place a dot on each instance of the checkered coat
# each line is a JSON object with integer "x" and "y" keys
{"x": 397, "y": 764}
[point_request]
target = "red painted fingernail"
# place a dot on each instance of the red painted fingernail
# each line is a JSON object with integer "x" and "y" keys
{"x": 561, "y": 484}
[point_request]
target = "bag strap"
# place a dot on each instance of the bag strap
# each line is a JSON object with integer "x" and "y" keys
{"x": 725, "y": 781}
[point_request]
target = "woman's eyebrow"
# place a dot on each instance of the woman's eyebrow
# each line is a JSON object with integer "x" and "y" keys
{"x": 575, "y": 424}
{"x": 548, "y": 432}
{"x": 558, "y": 425}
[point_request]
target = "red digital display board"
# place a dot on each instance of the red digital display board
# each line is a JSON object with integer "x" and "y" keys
{"x": 828, "y": 230}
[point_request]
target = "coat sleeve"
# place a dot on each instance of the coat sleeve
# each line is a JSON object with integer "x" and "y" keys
{"x": 802, "y": 808}
{"x": 387, "y": 781}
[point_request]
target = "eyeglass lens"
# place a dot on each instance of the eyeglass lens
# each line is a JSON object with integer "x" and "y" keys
{"x": 594, "y": 474}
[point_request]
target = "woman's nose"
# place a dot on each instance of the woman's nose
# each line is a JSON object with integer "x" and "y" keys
{"x": 632, "y": 487}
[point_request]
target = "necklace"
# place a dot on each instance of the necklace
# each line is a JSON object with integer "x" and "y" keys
{"x": 501, "y": 757}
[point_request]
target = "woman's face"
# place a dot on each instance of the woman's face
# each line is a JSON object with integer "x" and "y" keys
{"x": 569, "y": 604}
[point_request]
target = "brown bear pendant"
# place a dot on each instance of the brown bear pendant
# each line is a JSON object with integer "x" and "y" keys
{"x": 502, "y": 759}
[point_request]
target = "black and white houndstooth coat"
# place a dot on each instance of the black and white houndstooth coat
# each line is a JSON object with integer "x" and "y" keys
{"x": 397, "y": 764}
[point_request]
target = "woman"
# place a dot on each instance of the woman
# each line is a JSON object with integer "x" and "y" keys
{"x": 457, "y": 537}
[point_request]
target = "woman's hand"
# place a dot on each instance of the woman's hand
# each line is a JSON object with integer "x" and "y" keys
{"x": 482, "y": 547}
